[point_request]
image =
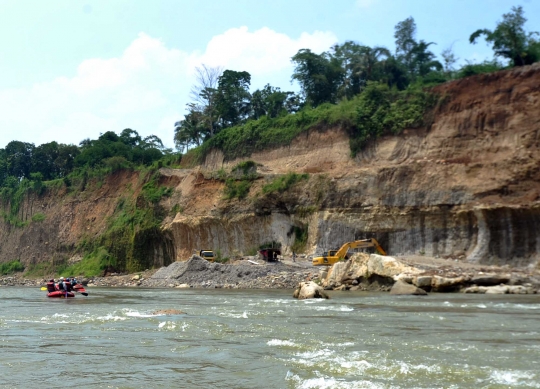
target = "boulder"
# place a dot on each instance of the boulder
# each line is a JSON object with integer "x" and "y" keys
{"x": 407, "y": 278}
{"x": 475, "y": 289}
{"x": 422, "y": 281}
{"x": 489, "y": 279}
{"x": 499, "y": 289}
{"x": 388, "y": 266}
{"x": 354, "y": 268}
{"x": 403, "y": 288}
{"x": 439, "y": 283}
{"x": 519, "y": 289}
{"x": 309, "y": 290}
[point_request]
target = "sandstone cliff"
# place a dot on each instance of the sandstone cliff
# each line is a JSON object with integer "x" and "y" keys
{"x": 467, "y": 187}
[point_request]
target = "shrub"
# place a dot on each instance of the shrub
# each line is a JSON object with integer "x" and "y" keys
{"x": 381, "y": 110}
{"x": 283, "y": 183}
{"x": 38, "y": 217}
{"x": 306, "y": 211}
{"x": 300, "y": 238}
{"x": 94, "y": 263}
{"x": 479, "y": 68}
{"x": 11, "y": 267}
{"x": 245, "y": 170}
{"x": 43, "y": 269}
{"x": 116, "y": 163}
{"x": 239, "y": 189}
{"x": 153, "y": 192}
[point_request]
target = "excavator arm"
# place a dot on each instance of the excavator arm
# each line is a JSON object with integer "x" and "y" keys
{"x": 342, "y": 252}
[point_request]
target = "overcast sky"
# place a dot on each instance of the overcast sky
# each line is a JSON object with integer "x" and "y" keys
{"x": 73, "y": 69}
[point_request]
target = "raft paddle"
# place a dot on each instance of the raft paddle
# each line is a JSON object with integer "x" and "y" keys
{"x": 43, "y": 288}
{"x": 85, "y": 293}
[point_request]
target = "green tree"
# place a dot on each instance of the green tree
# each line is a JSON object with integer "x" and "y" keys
{"x": 43, "y": 160}
{"x": 319, "y": 76}
{"x": 65, "y": 161}
{"x": 394, "y": 74}
{"x": 404, "y": 35}
{"x": 233, "y": 97}
{"x": 130, "y": 137}
{"x": 414, "y": 55}
{"x": 191, "y": 130}
{"x": 3, "y": 167}
{"x": 127, "y": 145}
{"x": 360, "y": 64}
{"x": 424, "y": 60}
{"x": 19, "y": 158}
{"x": 152, "y": 142}
{"x": 510, "y": 40}
{"x": 272, "y": 102}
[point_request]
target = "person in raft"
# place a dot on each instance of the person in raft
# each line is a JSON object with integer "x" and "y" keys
{"x": 60, "y": 284}
{"x": 64, "y": 284}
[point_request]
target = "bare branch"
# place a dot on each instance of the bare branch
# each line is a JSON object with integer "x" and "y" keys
{"x": 205, "y": 78}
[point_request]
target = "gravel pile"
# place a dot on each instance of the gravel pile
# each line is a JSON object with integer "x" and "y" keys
{"x": 19, "y": 281}
{"x": 199, "y": 273}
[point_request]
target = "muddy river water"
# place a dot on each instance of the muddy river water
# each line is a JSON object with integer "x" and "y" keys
{"x": 267, "y": 339}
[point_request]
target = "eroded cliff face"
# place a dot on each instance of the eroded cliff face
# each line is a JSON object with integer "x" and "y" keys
{"x": 74, "y": 219}
{"x": 467, "y": 187}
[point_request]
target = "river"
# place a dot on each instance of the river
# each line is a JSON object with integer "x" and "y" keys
{"x": 267, "y": 339}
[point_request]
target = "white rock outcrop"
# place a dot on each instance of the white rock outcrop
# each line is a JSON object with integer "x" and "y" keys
{"x": 309, "y": 290}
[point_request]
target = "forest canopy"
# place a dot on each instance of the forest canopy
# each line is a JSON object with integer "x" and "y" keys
{"x": 222, "y": 99}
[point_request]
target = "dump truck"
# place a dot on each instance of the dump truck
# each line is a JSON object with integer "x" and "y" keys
{"x": 270, "y": 254}
{"x": 332, "y": 256}
{"x": 208, "y": 255}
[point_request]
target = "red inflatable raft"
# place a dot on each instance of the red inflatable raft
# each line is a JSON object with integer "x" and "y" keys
{"x": 54, "y": 291}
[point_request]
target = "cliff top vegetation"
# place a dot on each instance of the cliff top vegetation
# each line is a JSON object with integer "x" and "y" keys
{"x": 369, "y": 91}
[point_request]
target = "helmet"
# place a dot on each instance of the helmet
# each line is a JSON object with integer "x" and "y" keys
{"x": 61, "y": 279}
{"x": 51, "y": 280}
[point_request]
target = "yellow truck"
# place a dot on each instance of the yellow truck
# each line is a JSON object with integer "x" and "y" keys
{"x": 332, "y": 256}
{"x": 208, "y": 255}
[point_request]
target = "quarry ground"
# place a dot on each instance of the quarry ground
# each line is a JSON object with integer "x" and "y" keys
{"x": 284, "y": 274}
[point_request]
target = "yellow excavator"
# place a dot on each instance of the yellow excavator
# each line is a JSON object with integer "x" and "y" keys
{"x": 332, "y": 256}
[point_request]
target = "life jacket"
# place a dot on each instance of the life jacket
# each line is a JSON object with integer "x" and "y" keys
{"x": 67, "y": 286}
{"x": 50, "y": 287}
